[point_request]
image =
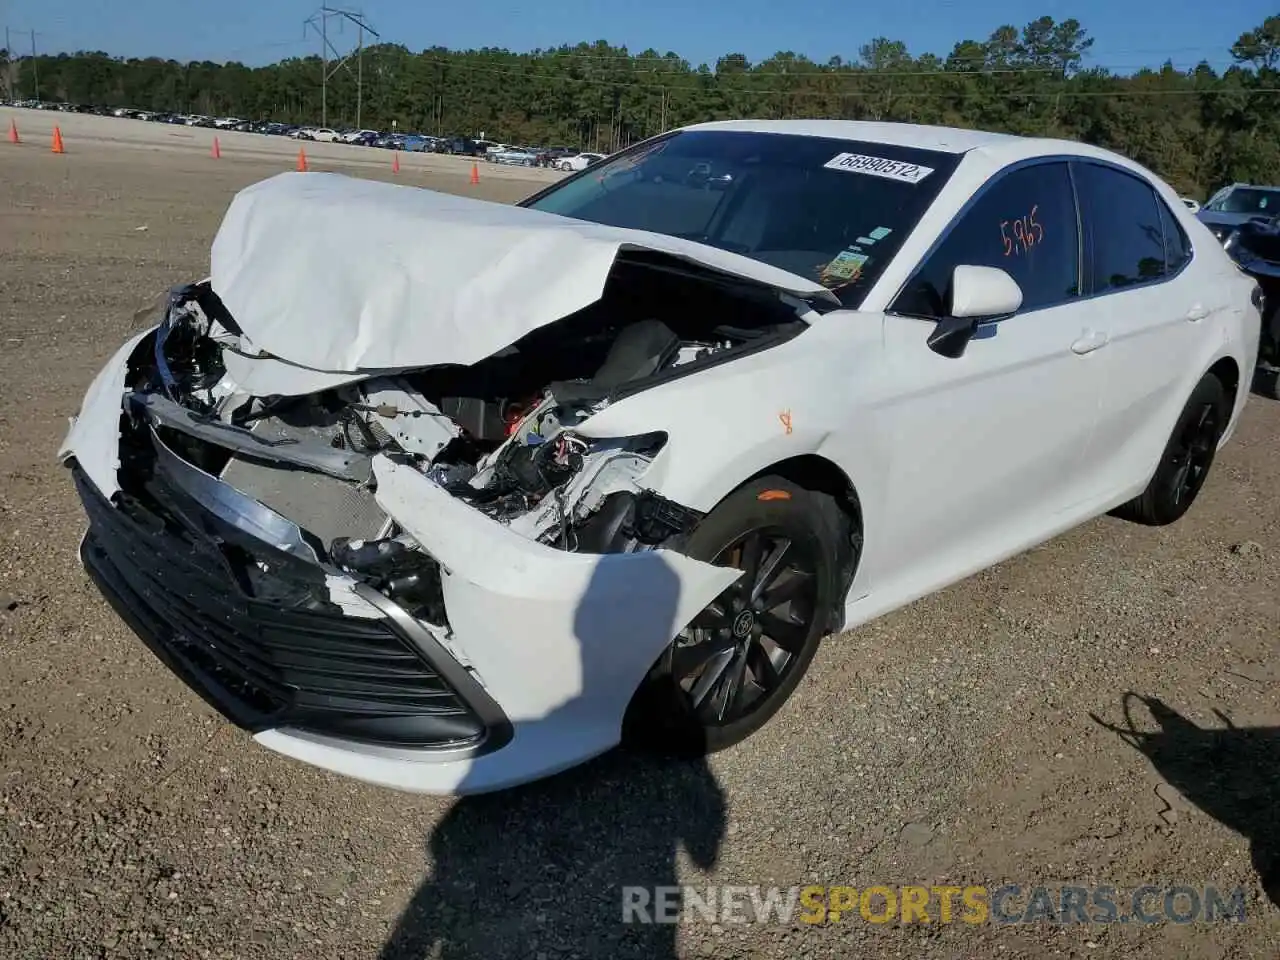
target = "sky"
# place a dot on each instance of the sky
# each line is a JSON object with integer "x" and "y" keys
{"x": 1128, "y": 34}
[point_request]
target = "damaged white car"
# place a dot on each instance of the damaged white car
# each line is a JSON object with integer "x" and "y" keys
{"x": 449, "y": 495}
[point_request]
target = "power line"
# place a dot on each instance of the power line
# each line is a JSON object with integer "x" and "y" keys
{"x": 319, "y": 22}
{"x": 9, "y": 59}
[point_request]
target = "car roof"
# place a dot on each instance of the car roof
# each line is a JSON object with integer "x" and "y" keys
{"x": 1001, "y": 147}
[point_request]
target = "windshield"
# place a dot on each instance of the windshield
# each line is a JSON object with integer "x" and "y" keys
{"x": 1250, "y": 200}
{"x": 834, "y": 211}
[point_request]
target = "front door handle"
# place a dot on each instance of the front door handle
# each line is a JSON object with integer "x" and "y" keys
{"x": 1090, "y": 341}
{"x": 1198, "y": 312}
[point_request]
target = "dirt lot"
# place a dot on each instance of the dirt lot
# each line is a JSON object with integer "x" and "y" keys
{"x": 950, "y": 743}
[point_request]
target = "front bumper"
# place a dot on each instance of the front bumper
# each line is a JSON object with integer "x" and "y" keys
{"x": 253, "y": 630}
{"x": 531, "y": 674}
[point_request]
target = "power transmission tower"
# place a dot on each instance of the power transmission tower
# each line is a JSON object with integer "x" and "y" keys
{"x": 13, "y": 61}
{"x": 319, "y": 22}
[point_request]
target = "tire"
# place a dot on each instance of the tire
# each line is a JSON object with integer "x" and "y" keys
{"x": 1186, "y": 460}
{"x": 767, "y": 653}
{"x": 566, "y": 167}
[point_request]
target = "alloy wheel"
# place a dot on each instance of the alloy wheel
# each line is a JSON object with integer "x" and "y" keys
{"x": 740, "y": 649}
{"x": 1194, "y": 454}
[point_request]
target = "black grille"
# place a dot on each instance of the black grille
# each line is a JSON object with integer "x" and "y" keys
{"x": 283, "y": 656}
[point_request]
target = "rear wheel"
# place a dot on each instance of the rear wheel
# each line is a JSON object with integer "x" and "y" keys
{"x": 1187, "y": 457}
{"x": 741, "y": 658}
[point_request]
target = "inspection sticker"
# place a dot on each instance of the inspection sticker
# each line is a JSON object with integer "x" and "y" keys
{"x": 847, "y": 265}
{"x": 879, "y": 167}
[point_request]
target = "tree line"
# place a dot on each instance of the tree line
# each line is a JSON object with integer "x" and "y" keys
{"x": 1198, "y": 128}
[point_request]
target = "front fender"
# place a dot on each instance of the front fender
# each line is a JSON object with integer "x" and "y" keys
{"x": 720, "y": 429}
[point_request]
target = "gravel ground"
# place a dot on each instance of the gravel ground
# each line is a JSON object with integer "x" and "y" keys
{"x": 963, "y": 740}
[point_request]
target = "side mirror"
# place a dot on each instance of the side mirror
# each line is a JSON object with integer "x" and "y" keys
{"x": 977, "y": 294}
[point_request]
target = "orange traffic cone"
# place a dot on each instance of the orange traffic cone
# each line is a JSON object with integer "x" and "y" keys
{"x": 216, "y": 152}
{"x": 13, "y": 131}
{"x": 475, "y": 173}
{"x": 302, "y": 160}
{"x": 395, "y": 162}
{"x": 57, "y": 141}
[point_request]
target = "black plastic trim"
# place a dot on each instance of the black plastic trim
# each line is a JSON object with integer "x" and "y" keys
{"x": 245, "y": 658}
{"x": 498, "y": 729}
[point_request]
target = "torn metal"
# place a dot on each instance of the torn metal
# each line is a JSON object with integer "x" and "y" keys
{"x": 318, "y": 463}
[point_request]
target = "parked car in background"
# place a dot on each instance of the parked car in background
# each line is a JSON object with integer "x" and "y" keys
{"x": 552, "y": 156}
{"x": 363, "y": 137}
{"x": 514, "y": 156}
{"x": 321, "y": 134}
{"x": 460, "y": 146}
{"x": 1255, "y": 246}
{"x": 1236, "y": 204}
{"x": 580, "y": 162}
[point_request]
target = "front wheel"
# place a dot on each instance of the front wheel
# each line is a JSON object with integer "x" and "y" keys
{"x": 742, "y": 657}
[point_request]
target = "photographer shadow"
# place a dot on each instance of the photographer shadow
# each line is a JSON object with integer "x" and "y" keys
{"x": 540, "y": 870}
{"x": 1232, "y": 774}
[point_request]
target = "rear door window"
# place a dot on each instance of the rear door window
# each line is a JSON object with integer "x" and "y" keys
{"x": 1124, "y": 241}
{"x": 1177, "y": 245}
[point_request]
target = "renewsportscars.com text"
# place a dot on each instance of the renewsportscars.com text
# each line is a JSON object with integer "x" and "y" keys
{"x": 933, "y": 904}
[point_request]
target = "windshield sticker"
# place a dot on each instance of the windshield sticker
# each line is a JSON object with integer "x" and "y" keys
{"x": 879, "y": 233}
{"x": 868, "y": 241}
{"x": 879, "y": 167}
{"x": 846, "y": 266}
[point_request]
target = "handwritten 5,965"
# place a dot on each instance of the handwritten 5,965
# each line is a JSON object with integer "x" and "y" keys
{"x": 1022, "y": 234}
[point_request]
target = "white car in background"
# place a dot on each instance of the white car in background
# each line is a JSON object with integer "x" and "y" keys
{"x": 766, "y": 381}
{"x": 580, "y": 162}
{"x": 319, "y": 134}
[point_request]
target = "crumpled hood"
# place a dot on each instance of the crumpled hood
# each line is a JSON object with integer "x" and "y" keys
{"x": 341, "y": 274}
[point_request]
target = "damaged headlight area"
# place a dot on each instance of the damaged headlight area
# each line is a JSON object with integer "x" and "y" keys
{"x": 498, "y": 435}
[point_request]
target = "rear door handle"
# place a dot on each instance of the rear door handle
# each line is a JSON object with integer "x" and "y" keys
{"x": 1090, "y": 341}
{"x": 1198, "y": 312}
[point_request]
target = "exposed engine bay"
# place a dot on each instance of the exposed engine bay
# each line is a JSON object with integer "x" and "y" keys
{"x": 498, "y": 434}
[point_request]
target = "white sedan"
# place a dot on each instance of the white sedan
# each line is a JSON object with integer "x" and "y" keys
{"x": 319, "y": 134}
{"x": 766, "y": 381}
{"x": 580, "y": 162}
